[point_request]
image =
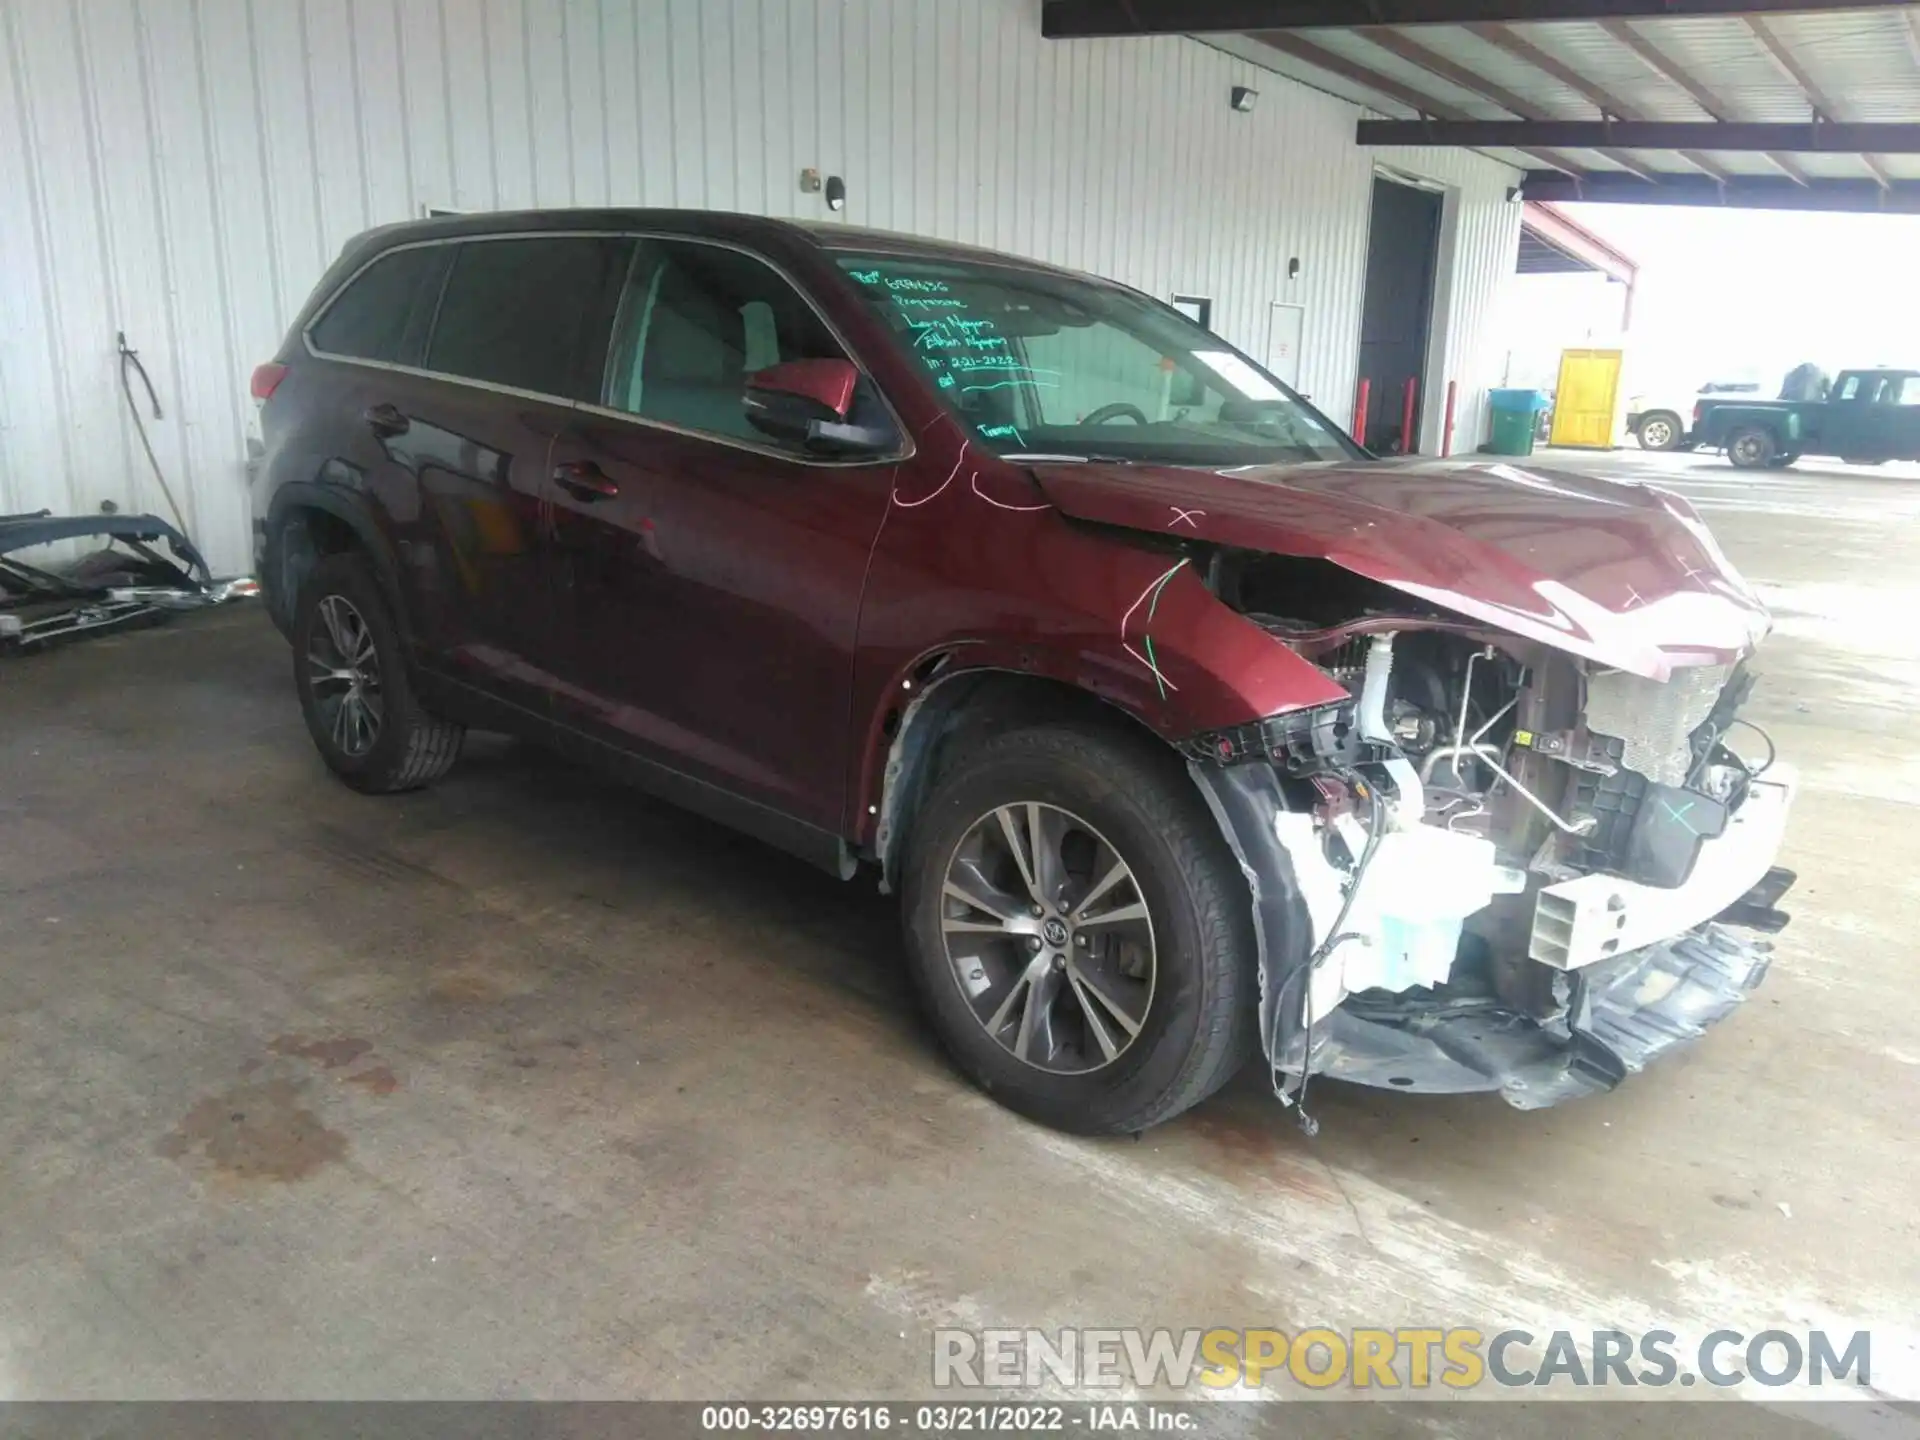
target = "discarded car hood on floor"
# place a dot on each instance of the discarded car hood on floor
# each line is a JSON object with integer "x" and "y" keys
{"x": 1626, "y": 575}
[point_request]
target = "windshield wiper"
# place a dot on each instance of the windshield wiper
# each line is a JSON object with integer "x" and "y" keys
{"x": 1072, "y": 459}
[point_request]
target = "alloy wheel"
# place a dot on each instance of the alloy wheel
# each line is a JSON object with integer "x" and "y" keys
{"x": 1658, "y": 434}
{"x": 343, "y": 671}
{"x": 1049, "y": 938}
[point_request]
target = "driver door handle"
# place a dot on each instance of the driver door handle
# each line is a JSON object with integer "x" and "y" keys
{"x": 585, "y": 480}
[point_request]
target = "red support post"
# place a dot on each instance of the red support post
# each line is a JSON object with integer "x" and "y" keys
{"x": 1446, "y": 440}
{"x": 1409, "y": 442}
{"x": 1360, "y": 412}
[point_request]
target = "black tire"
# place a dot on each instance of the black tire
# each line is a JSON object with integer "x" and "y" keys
{"x": 408, "y": 747}
{"x": 1751, "y": 448}
{"x": 1660, "y": 430}
{"x": 1201, "y": 1021}
{"x": 1781, "y": 462}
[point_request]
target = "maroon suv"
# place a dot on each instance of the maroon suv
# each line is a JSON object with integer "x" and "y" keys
{"x": 1185, "y": 728}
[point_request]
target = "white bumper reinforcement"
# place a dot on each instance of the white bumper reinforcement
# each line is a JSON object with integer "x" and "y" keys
{"x": 1596, "y": 917}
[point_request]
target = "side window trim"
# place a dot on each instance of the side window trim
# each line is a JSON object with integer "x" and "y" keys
{"x": 907, "y": 447}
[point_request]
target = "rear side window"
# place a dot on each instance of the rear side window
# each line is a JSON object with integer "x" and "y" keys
{"x": 694, "y": 322}
{"x": 383, "y": 315}
{"x": 528, "y": 313}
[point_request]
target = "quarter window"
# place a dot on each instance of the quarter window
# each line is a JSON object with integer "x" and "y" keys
{"x": 383, "y": 315}
{"x": 694, "y": 322}
{"x": 527, "y": 312}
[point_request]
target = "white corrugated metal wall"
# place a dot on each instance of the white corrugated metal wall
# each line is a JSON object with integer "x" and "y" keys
{"x": 183, "y": 170}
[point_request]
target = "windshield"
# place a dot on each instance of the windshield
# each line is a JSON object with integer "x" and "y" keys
{"x": 1035, "y": 363}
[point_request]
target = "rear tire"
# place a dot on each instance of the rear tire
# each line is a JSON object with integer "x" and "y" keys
{"x": 1781, "y": 462}
{"x": 1659, "y": 430}
{"x": 1751, "y": 448}
{"x": 355, "y": 690}
{"x": 1184, "y": 976}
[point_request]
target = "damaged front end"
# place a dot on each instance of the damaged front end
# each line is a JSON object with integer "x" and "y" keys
{"x": 1497, "y": 866}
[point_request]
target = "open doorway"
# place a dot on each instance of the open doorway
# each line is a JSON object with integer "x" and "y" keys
{"x": 1397, "y": 312}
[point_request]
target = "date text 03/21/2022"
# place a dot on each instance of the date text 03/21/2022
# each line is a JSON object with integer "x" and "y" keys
{"x": 943, "y": 1419}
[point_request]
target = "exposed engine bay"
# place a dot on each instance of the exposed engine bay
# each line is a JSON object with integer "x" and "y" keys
{"x": 1505, "y": 858}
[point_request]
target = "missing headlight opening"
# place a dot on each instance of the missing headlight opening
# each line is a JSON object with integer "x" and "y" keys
{"x": 1497, "y": 866}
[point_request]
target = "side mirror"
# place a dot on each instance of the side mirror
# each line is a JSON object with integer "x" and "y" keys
{"x": 808, "y": 401}
{"x": 783, "y": 400}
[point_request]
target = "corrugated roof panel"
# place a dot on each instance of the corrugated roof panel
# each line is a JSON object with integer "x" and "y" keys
{"x": 1364, "y": 52}
{"x": 1613, "y": 67}
{"x": 1509, "y": 72}
{"x": 1742, "y": 162}
{"x": 1834, "y": 167}
{"x": 1868, "y": 63}
{"x": 1665, "y": 162}
{"x": 1594, "y": 160}
{"x": 1729, "y": 62}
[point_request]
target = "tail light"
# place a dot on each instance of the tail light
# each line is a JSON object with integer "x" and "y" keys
{"x": 266, "y": 379}
{"x": 1698, "y": 408}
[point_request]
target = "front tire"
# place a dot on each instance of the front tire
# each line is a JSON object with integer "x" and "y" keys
{"x": 1751, "y": 448}
{"x": 1077, "y": 931}
{"x": 355, "y": 690}
{"x": 1660, "y": 430}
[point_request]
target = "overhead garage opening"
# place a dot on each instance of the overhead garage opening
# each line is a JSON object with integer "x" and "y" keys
{"x": 1396, "y": 317}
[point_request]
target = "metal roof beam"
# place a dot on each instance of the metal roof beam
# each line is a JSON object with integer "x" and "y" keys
{"x": 1823, "y": 108}
{"x": 1336, "y": 64}
{"x": 1501, "y": 38}
{"x": 1810, "y": 138}
{"x": 1072, "y": 19}
{"x": 1395, "y": 43}
{"x": 1664, "y": 64}
{"x": 1753, "y": 192}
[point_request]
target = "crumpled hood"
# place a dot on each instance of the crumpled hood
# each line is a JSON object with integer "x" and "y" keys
{"x": 1626, "y": 575}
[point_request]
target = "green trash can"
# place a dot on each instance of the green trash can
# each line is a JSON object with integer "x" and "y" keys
{"x": 1513, "y": 423}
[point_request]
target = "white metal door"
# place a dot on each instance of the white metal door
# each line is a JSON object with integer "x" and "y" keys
{"x": 1285, "y": 323}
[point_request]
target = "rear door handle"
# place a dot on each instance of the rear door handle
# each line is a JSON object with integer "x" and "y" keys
{"x": 585, "y": 480}
{"x": 385, "y": 420}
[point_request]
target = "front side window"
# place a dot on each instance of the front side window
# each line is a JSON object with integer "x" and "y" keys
{"x": 383, "y": 314}
{"x": 1034, "y": 362}
{"x": 525, "y": 312}
{"x": 694, "y": 322}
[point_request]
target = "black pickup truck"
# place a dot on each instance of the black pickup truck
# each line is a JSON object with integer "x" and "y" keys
{"x": 1868, "y": 417}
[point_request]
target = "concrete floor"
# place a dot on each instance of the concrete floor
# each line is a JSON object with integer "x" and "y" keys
{"x": 526, "y": 1086}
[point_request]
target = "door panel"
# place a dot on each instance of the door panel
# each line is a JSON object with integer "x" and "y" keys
{"x": 480, "y": 462}
{"x": 1403, "y": 245}
{"x": 1586, "y": 399}
{"x": 708, "y": 575}
{"x": 521, "y": 323}
{"x": 1286, "y": 327}
{"x": 711, "y": 607}
{"x": 1878, "y": 417}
